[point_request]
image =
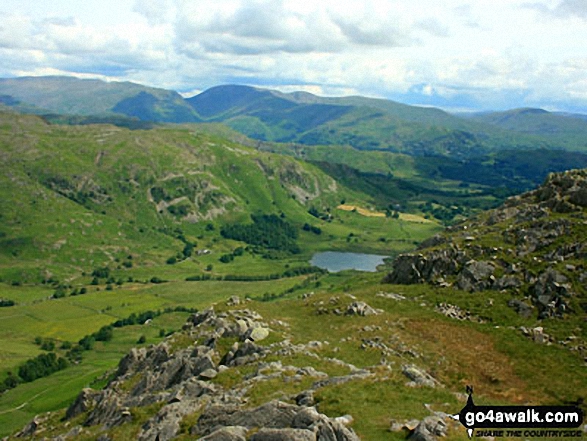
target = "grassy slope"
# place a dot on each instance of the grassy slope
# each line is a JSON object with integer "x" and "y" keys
{"x": 77, "y": 198}
{"x": 567, "y": 132}
{"x": 503, "y": 366}
{"x": 74, "y": 198}
{"x": 360, "y": 122}
{"x": 85, "y": 97}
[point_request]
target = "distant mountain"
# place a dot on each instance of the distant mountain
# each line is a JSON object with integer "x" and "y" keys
{"x": 363, "y": 123}
{"x": 73, "y": 96}
{"x": 565, "y": 130}
{"x": 299, "y": 117}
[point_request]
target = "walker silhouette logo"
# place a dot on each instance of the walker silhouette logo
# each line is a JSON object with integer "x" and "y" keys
{"x": 499, "y": 421}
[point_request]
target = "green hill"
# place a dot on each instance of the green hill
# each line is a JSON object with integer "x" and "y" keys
{"x": 564, "y": 130}
{"x": 267, "y": 115}
{"x": 363, "y": 123}
{"x": 73, "y": 96}
{"x": 111, "y": 238}
{"x": 78, "y": 196}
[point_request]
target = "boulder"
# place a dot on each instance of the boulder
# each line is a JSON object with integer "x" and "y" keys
{"x": 476, "y": 276}
{"x": 110, "y": 410}
{"x": 167, "y": 423}
{"x": 208, "y": 374}
{"x": 233, "y": 301}
{"x": 418, "y": 376}
{"x": 549, "y": 293}
{"x": 257, "y": 333}
{"x": 362, "y": 309}
{"x": 410, "y": 269}
{"x": 429, "y": 429}
{"x": 522, "y": 308}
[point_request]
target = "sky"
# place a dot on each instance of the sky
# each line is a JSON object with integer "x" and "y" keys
{"x": 460, "y": 55}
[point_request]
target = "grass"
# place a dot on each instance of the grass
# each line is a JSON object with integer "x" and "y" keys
{"x": 503, "y": 366}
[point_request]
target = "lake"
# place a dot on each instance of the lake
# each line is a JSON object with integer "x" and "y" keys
{"x": 335, "y": 261}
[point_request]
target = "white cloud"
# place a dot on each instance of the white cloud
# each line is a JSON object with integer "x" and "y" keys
{"x": 482, "y": 50}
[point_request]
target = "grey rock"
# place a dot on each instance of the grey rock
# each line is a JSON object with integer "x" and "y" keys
{"x": 418, "y": 376}
{"x": 305, "y": 398}
{"x": 192, "y": 389}
{"x": 233, "y": 301}
{"x": 434, "y": 241}
{"x": 243, "y": 353}
{"x": 429, "y": 429}
{"x": 109, "y": 411}
{"x": 522, "y": 308}
{"x": 550, "y": 293}
{"x": 362, "y": 309}
{"x": 257, "y": 333}
{"x": 230, "y": 433}
{"x": 476, "y": 276}
{"x": 307, "y": 418}
{"x": 274, "y": 414}
{"x": 208, "y": 374}
{"x": 284, "y": 435}
{"x": 31, "y": 428}
{"x": 166, "y": 424}
{"x": 419, "y": 268}
{"x": 507, "y": 282}
{"x": 131, "y": 361}
{"x": 84, "y": 402}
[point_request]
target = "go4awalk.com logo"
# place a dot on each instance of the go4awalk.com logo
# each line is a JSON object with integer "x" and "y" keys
{"x": 520, "y": 421}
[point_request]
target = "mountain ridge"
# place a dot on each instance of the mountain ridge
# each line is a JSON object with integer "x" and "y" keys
{"x": 270, "y": 115}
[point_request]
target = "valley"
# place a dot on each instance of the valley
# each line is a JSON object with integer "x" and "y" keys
{"x": 185, "y": 228}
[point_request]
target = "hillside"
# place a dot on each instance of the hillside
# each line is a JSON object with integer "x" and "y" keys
{"x": 358, "y": 358}
{"x": 299, "y": 117}
{"x": 530, "y": 252}
{"x": 363, "y": 123}
{"x": 73, "y": 96}
{"x": 74, "y": 198}
{"x": 566, "y": 130}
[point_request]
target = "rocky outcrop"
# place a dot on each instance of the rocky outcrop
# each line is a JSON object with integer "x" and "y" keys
{"x": 277, "y": 420}
{"x": 429, "y": 429}
{"x": 532, "y": 238}
{"x": 430, "y": 267}
{"x": 418, "y": 377}
{"x": 174, "y": 378}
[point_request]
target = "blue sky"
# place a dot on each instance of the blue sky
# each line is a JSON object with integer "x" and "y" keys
{"x": 455, "y": 54}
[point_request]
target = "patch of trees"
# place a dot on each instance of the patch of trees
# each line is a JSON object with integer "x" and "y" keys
{"x": 38, "y": 367}
{"x": 267, "y": 231}
{"x": 291, "y": 272}
{"x": 101, "y": 273}
{"x": 5, "y": 303}
{"x": 61, "y": 290}
{"x": 312, "y": 229}
{"x": 444, "y": 214}
{"x": 227, "y": 258}
{"x": 313, "y": 211}
{"x": 41, "y": 366}
{"x": 181, "y": 210}
{"x": 186, "y": 253}
{"x": 46, "y": 364}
